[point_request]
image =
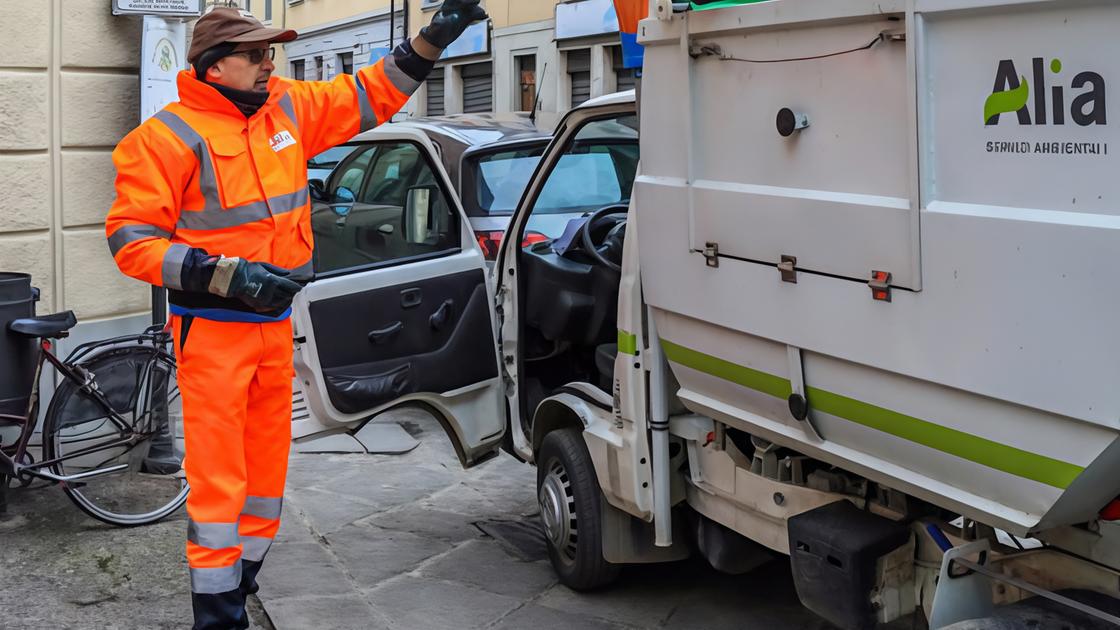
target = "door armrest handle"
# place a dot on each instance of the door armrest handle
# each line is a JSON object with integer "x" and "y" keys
{"x": 385, "y": 334}
{"x": 444, "y": 313}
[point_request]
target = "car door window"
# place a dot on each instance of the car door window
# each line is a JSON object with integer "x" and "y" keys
{"x": 392, "y": 171}
{"x": 597, "y": 169}
{"x": 366, "y": 219}
{"x": 350, "y": 172}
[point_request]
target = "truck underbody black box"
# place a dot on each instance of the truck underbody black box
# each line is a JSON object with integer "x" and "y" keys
{"x": 833, "y": 551}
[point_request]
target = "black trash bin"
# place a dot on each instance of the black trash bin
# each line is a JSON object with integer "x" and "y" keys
{"x": 17, "y": 354}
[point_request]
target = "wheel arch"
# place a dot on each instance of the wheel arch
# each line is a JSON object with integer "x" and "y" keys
{"x": 551, "y": 415}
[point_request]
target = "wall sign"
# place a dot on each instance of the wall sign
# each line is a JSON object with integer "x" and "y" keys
{"x": 164, "y": 46}
{"x": 474, "y": 41}
{"x": 584, "y": 19}
{"x": 168, "y": 8}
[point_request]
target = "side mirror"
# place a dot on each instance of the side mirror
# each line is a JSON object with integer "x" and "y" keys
{"x": 317, "y": 189}
{"x": 419, "y": 219}
{"x": 344, "y": 195}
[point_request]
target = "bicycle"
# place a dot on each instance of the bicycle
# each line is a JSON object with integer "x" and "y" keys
{"x": 115, "y": 411}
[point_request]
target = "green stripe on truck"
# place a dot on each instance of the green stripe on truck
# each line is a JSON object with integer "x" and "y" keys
{"x": 1009, "y": 459}
{"x": 627, "y": 342}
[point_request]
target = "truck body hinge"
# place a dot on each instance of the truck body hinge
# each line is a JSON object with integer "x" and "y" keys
{"x": 788, "y": 268}
{"x": 711, "y": 254}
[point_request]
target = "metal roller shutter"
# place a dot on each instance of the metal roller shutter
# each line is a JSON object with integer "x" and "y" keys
{"x": 478, "y": 87}
{"x": 579, "y": 68}
{"x": 435, "y": 93}
{"x": 624, "y": 77}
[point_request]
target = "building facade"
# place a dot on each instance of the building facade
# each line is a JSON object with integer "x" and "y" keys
{"x": 553, "y": 54}
{"x": 557, "y": 54}
{"x": 69, "y": 91}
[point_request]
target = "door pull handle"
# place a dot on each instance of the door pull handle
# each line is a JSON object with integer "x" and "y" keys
{"x": 444, "y": 313}
{"x": 385, "y": 334}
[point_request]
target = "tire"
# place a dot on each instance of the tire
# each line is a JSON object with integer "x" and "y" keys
{"x": 571, "y": 511}
{"x": 127, "y": 376}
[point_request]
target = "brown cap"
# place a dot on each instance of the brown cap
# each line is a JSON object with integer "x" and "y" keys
{"x": 235, "y": 26}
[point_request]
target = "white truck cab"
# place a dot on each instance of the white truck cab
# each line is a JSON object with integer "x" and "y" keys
{"x": 856, "y": 306}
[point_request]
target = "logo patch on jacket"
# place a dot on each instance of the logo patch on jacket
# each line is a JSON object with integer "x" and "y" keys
{"x": 282, "y": 141}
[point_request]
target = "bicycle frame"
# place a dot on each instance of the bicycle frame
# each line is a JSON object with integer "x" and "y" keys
{"x": 11, "y": 466}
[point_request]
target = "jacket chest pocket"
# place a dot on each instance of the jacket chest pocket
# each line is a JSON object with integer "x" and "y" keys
{"x": 235, "y": 175}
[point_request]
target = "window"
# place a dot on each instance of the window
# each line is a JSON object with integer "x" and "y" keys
{"x": 492, "y": 183}
{"x": 366, "y": 217}
{"x": 297, "y": 70}
{"x": 527, "y": 81}
{"x": 318, "y": 76}
{"x": 267, "y": 10}
{"x": 346, "y": 62}
{"x": 579, "y": 70}
{"x": 597, "y": 169}
{"x": 435, "y": 93}
{"x": 478, "y": 87}
{"x": 625, "y": 78}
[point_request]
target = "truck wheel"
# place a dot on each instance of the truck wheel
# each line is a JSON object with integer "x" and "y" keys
{"x": 571, "y": 511}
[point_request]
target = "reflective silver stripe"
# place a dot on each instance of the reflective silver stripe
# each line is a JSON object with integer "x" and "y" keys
{"x": 249, "y": 213}
{"x": 131, "y": 233}
{"x": 291, "y": 201}
{"x": 173, "y": 266}
{"x": 216, "y": 580}
{"x": 213, "y": 535}
{"x": 263, "y": 507}
{"x": 302, "y": 273}
{"x": 369, "y": 119}
{"x": 207, "y": 180}
{"x": 217, "y": 218}
{"x": 289, "y": 109}
{"x": 406, "y": 84}
{"x": 254, "y": 547}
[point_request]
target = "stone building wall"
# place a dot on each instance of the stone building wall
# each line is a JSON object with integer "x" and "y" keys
{"x": 69, "y": 91}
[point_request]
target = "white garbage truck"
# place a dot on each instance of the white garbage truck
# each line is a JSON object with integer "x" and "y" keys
{"x": 857, "y": 305}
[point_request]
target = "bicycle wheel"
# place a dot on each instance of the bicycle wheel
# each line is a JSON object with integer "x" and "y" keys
{"x": 139, "y": 383}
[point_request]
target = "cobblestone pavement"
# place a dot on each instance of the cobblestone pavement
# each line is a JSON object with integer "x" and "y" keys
{"x": 370, "y": 541}
{"x": 401, "y": 542}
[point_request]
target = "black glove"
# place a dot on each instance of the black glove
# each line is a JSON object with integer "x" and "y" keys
{"x": 262, "y": 286}
{"x": 451, "y": 20}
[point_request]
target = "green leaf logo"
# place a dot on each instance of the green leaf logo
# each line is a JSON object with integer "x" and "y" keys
{"x": 1007, "y": 101}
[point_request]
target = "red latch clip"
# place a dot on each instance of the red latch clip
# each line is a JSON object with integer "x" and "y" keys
{"x": 880, "y": 285}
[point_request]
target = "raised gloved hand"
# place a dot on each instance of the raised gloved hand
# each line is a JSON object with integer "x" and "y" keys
{"x": 262, "y": 286}
{"x": 451, "y": 20}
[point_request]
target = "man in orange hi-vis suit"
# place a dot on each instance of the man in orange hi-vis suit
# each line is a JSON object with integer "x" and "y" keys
{"x": 212, "y": 204}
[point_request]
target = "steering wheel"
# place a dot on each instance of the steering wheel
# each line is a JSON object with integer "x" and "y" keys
{"x": 609, "y": 252}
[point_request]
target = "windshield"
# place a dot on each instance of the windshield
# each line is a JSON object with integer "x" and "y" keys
{"x": 596, "y": 170}
{"x": 599, "y": 175}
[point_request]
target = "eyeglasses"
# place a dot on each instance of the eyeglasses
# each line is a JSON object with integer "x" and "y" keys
{"x": 256, "y": 55}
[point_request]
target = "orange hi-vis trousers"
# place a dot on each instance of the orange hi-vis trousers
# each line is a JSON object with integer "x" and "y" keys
{"x": 235, "y": 379}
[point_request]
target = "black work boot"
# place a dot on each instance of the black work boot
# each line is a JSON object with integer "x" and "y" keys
{"x": 219, "y": 611}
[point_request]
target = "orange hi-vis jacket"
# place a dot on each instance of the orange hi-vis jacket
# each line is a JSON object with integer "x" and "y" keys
{"x": 198, "y": 174}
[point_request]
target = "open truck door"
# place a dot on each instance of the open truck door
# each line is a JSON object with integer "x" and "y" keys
{"x": 400, "y": 308}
